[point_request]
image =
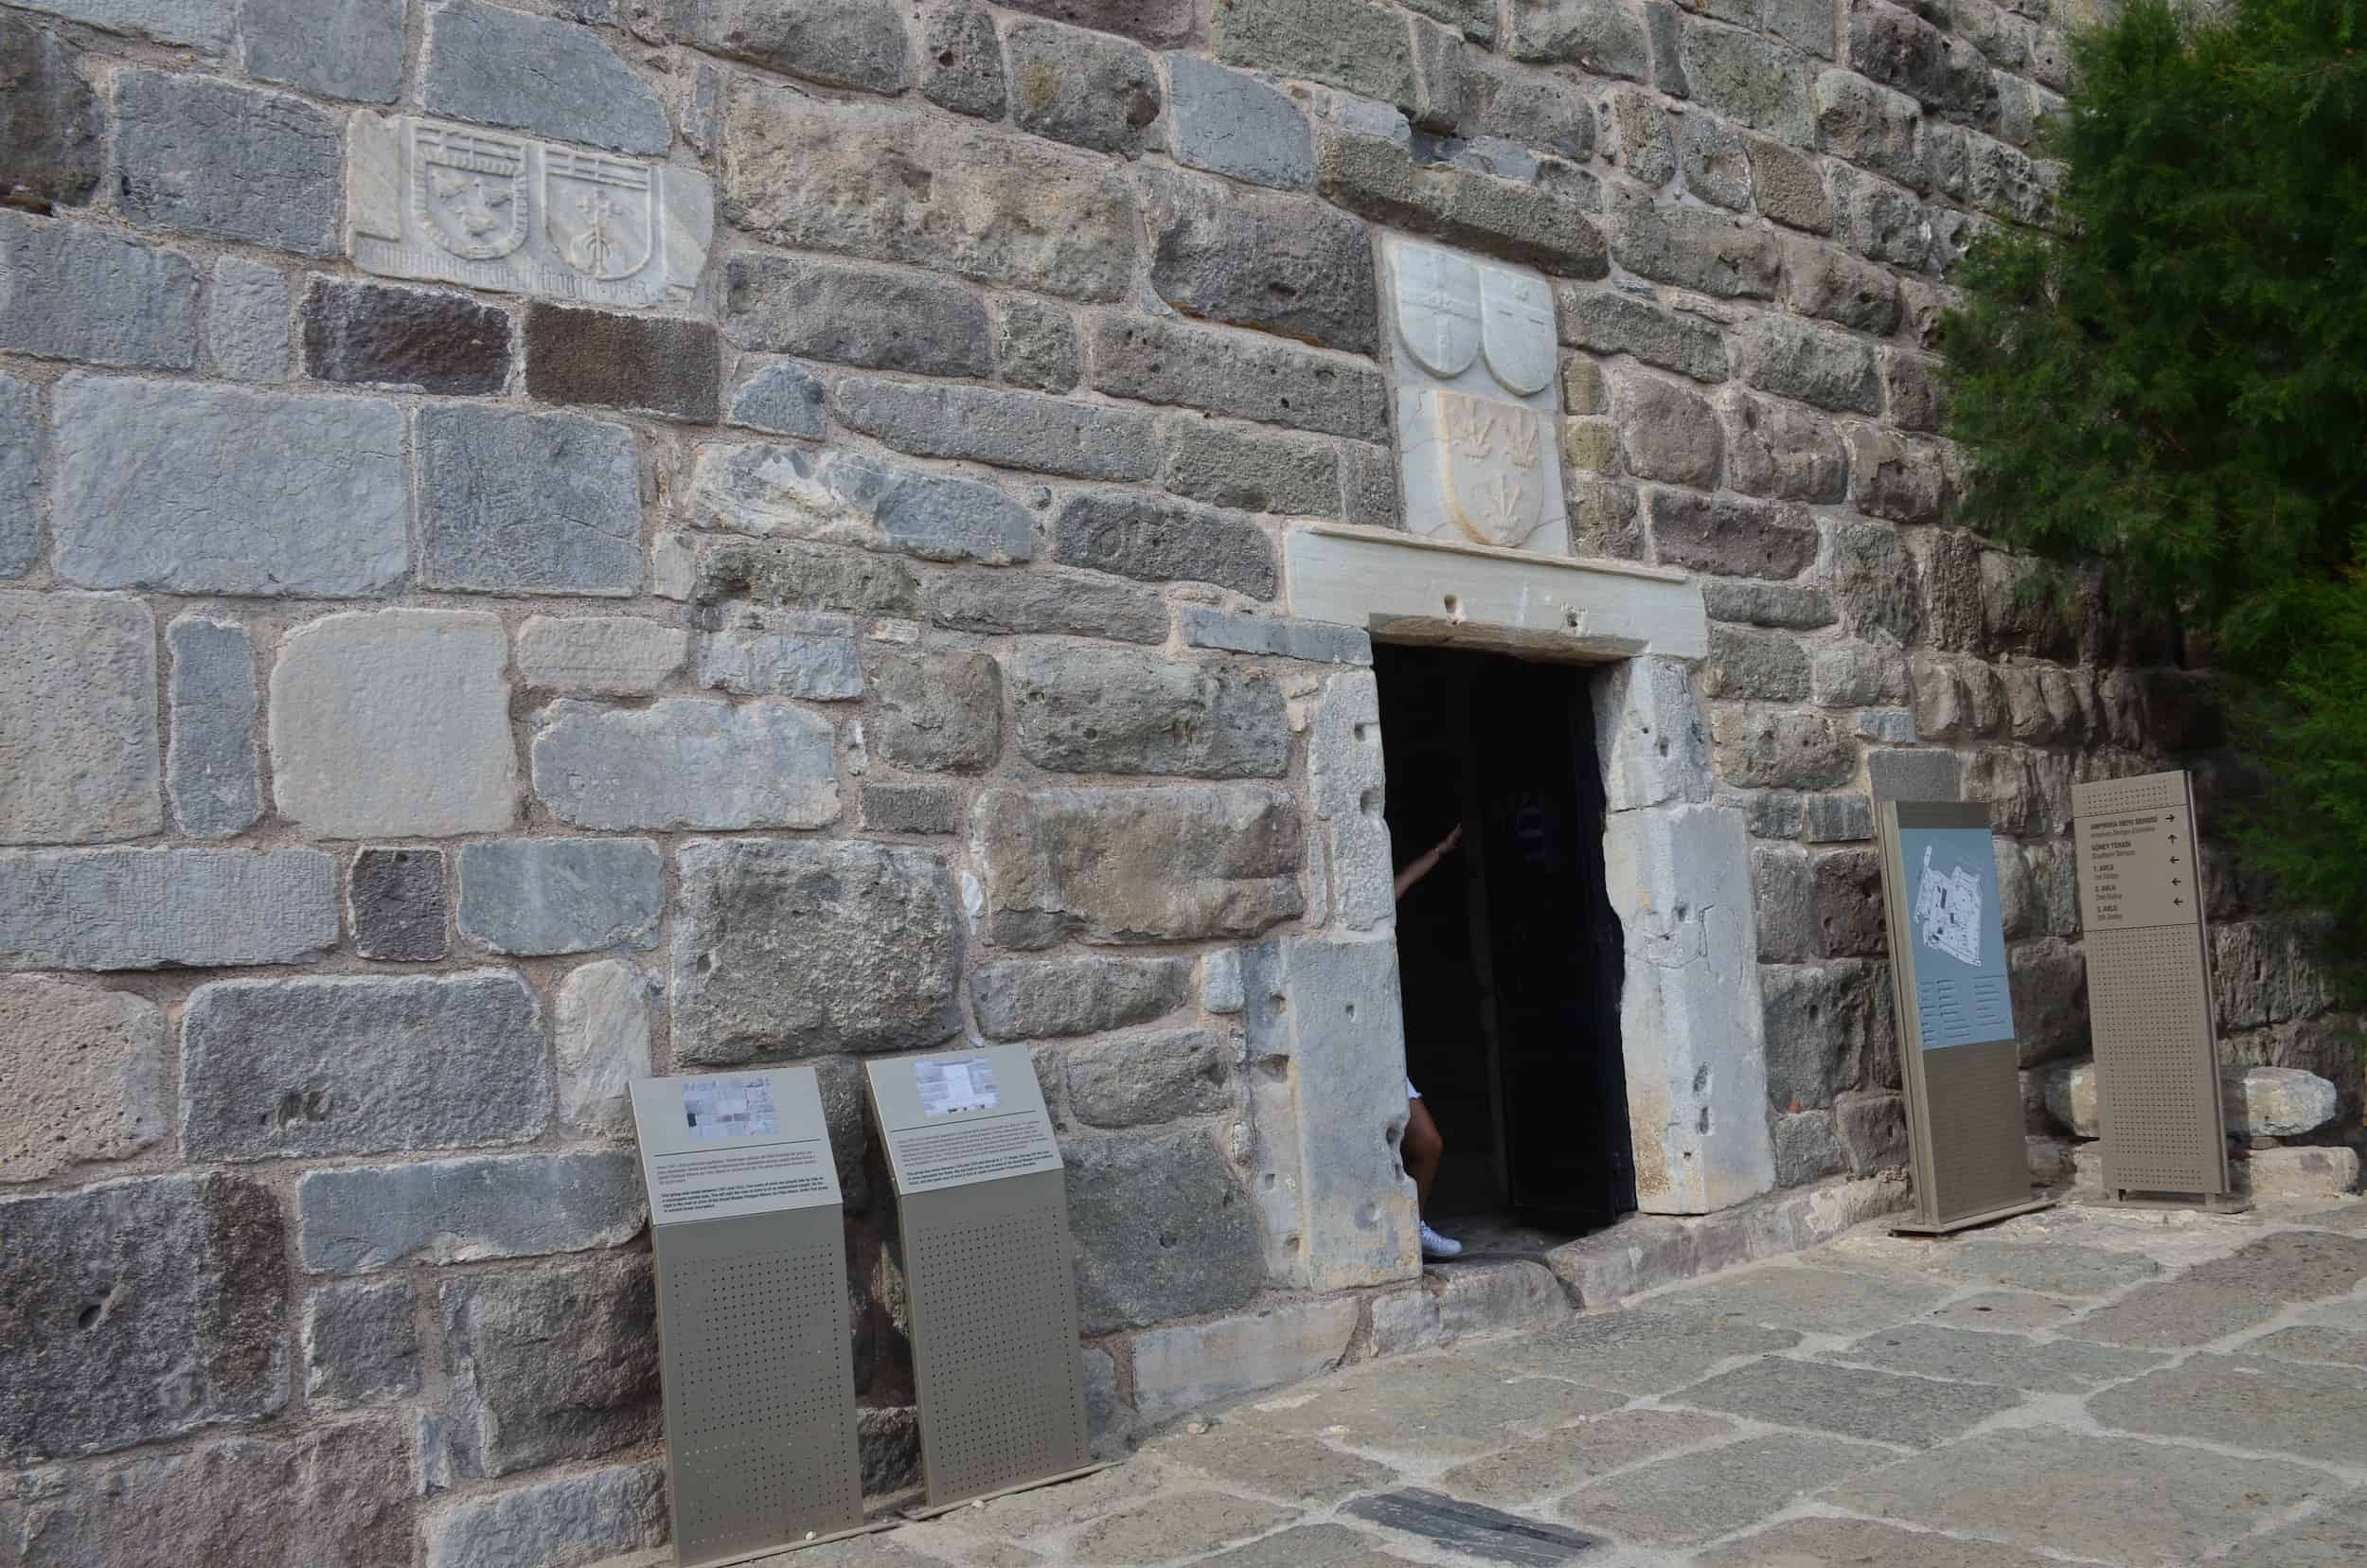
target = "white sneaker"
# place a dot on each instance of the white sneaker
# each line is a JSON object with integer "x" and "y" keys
{"x": 1435, "y": 1245}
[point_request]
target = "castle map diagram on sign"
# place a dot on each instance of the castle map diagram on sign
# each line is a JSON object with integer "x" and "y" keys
{"x": 1948, "y": 910}
{"x": 1963, "y": 995}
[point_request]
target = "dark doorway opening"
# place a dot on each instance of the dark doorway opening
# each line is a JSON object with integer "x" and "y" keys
{"x": 1508, "y": 953}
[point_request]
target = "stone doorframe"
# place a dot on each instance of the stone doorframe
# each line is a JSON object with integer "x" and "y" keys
{"x": 1678, "y": 865}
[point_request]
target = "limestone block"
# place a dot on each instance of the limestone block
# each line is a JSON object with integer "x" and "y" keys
{"x": 1533, "y": 224}
{"x": 1083, "y": 88}
{"x": 1106, "y": 710}
{"x": 603, "y": 1040}
{"x": 216, "y": 785}
{"x": 1193, "y": 1365}
{"x": 813, "y": 665}
{"x": 1237, "y": 376}
{"x": 1807, "y": 1148}
{"x": 2070, "y": 1091}
{"x": 1604, "y": 320}
{"x": 2301, "y": 1172}
{"x": 781, "y": 399}
{"x": 2276, "y": 1102}
{"x": 342, "y": 1492}
{"x": 515, "y": 1404}
{"x": 1603, "y": 37}
{"x": 1873, "y": 1129}
{"x": 575, "y": 1518}
{"x": 360, "y": 1344}
{"x": 857, "y": 43}
{"x": 197, "y": 153}
{"x": 856, "y": 315}
{"x": 1350, "y": 43}
{"x": 1827, "y": 282}
{"x": 1288, "y": 264}
{"x": 414, "y": 340}
{"x": 1729, "y": 535}
{"x": 1220, "y": 983}
{"x": 1884, "y": 223}
{"x": 196, "y": 489}
{"x": 340, "y": 49}
{"x": 687, "y": 762}
{"x": 1308, "y": 641}
{"x": 51, "y": 121}
{"x": 606, "y": 656}
{"x": 1167, "y": 863}
{"x": 670, "y": 365}
{"x": 1669, "y": 432}
{"x": 1715, "y": 167}
{"x": 78, "y": 719}
{"x": 564, "y": 895}
{"x": 188, "y": 1275}
{"x": 1784, "y": 881}
{"x": 359, "y": 1218}
{"x": 1162, "y": 1229}
{"x": 84, "y": 1076}
{"x": 1711, "y": 252}
{"x": 1020, "y": 430}
{"x": 961, "y": 60}
{"x": 19, "y": 468}
{"x": 118, "y": 909}
{"x": 1155, "y": 540}
{"x": 1046, "y": 603}
{"x": 1751, "y": 80}
{"x": 84, "y": 293}
{"x": 395, "y": 900}
{"x": 396, "y": 723}
{"x": 506, "y": 212}
{"x": 790, "y": 948}
{"x": 840, "y": 498}
{"x": 246, "y": 320}
{"x": 780, "y": 575}
{"x": 1345, "y": 778}
{"x": 1690, "y": 1012}
{"x": 1782, "y": 356}
{"x": 1232, "y": 123}
{"x": 579, "y": 90}
{"x": 938, "y": 712}
{"x": 1033, "y": 999}
{"x": 1656, "y": 744}
{"x": 1136, "y": 1081}
{"x": 1785, "y": 750}
{"x": 1036, "y": 217}
{"x": 1767, "y": 604}
{"x": 1642, "y": 142}
{"x": 362, "y": 1065}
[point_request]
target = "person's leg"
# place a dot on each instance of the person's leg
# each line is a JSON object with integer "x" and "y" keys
{"x": 1422, "y": 1146}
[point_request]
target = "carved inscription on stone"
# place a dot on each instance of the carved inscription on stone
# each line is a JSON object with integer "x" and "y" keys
{"x": 1472, "y": 357}
{"x": 493, "y": 210}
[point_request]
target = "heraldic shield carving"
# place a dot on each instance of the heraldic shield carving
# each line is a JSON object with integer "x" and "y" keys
{"x": 1517, "y": 328}
{"x": 600, "y": 213}
{"x": 1495, "y": 468}
{"x": 469, "y": 190}
{"x": 1438, "y": 307}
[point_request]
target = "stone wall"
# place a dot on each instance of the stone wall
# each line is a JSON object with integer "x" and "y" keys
{"x": 545, "y": 541}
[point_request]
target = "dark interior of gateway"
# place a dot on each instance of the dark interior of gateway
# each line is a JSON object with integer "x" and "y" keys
{"x": 1508, "y": 953}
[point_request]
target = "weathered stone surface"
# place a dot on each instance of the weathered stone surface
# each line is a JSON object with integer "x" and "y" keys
{"x": 938, "y": 712}
{"x": 779, "y": 399}
{"x": 1601, "y": 36}
{"x": 1710, "y": 252}
{"x": 1717, "y": 169}
{"x": 1156, "y": 540}
{"x": 1766, "y": 665}
{"x": 111, "y": 909}
{"x": 576, "y": 529}
{"x": 961, "y": 60}
{"x": 394, "y": 722}
{"x": 997, "y": 208}
{"x": 1162, "y": 1228}
{"x": 818, "y": 662}
{"x": 246, "y": 320}
{"x": 83, "y": 1077}
{"x": 200, "y": 24}
{"x": 1101, "y": 710}
{"x": 196, "y": 153}
{"x": 194, "y": 489}
{"x": 1351, "y": 44}
{"x": 663, "y": 364}
{"x": 787, "y": 948}
{"x": 50, "y": 118}
{"x": 1316, "y": 642}
{"x": 1775, "y": 449}
{"x": 1036, "y": 345}
{"x": 842, "y": 498}
{"x": 140, "y": 1310}
{"x": 567, "y": 894}
{"x": 2301, "y": 1172}
{"x": 20, "y": 467}
{"x": 883, "y": 321}
{"x": 1136, "y": 1081}
{"x": 1884, "y": 223}
{"x": 1827, "y": 282}
{"x": 412, "y": 340}
{"x": 1376, "y": 178}
{"x": 2275, "y": 1102}
{"x": 1823, "y": 368}
{"x": 396, "y": 900}
{"x": 343, "y": 49}
{"x": 1878, "y": 583}
{"x": 342, "y": 1492}
{"x": 82, "y": 293}
{"x": 1749, "y": 81}
{"x": 2050, "y": 990}
{"x": 1695, "y": 1497}
{"x": 353, "y": 1065}
{"x": 1029, "y": 999}
{"x": 857, "y": 43}
{"x": 1728, "y": 535}
{"x": 603, "y": 1039}
{"x": 1786, "y": 186}
{"x": 574, "y": 1520}
{"x": 1609, "y": 322}
{"x": 1239, "y": 376}
{"x": 519, "y": 1403}
{"x": 1286, "y": 264}
{"x": 360, "y": 1344}
{"x": 687, "y": 762}
{"x": 215, "y": 785}
{"x": 579, "y": 90}
{"x": 1669, "y": 432}
{"x": 1231, "y": 467}
{"x": 78, "y": 719}
{"x": 1894, "y": 47}
{"x": 1179, "y": 861}
{"x": 909, "y": 808}
{"x": 1047, "y": 603}
{"x": 359, "y": 1218}
{"x": 1873, "y": 1129}
{"x": 1079, "y": 87}
{"x": 1007, "y": 429}
{"x": 1231, "y": 123}
{"x": 1781, "y": 749}
{"x": 609, "y": 655}
{"x": 1643, "y": 141}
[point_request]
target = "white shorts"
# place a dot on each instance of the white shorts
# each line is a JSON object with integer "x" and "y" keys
{"x": 1411, "y": 1092}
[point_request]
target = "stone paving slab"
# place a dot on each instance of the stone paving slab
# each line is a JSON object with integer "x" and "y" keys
{"x": 1858, "y": 1544}
{"x": 1817, "y": 1301}
{"x": 1023, "y": 1514}
{"x": 1879, "y": 1406}
{"x": 1472, "y": 1529}
{"x": 1179, "y": 1525}
{"x": 2114, "y": 1499}
{"x": 2252, "y": 1402}
{"x": 1692, "y": 1498}
{"x": 1311, "y": 1546}
{"x": 2298, "y": 1265}
{"x": 1634, "y": 1350}
{"x": 2175, "y": 1315}
{"x": 2313, "y": 1341}
{"x": 2008, "y": 1312}
{"x": 2327, "y": 1538}
{"x": 1559, "y": 1460}
{"x": 2005, "y": 1360}
{"x": 1432, "y": 1407}
{"x": 1290, "y": 1469}
{"x": 2052, "y": 1267}
{"x": 2350, "y": 1216}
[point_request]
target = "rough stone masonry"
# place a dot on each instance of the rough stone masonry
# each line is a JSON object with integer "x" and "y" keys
{"x": 553, "y": 540}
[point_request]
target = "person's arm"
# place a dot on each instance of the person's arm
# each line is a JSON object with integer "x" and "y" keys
{"x": 1427, "y": 862}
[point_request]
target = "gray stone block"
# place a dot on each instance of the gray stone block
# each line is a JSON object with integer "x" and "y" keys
{"x": 342, "y": 49}
{"x": 203, "y": 25}
{"x": 196, "y": 489}
{"x": 51, "y": 119}
{"x": 784, "y": 576}
{"x": 1229, "y": 122}
{"x": 1036, "y": 217}
{"x": 1606, "y": 321}
{"x": 141, "y": 1309}
{"x": 1927, "y": 775}
{"x": 1316, "y": 642}
{"x": 515, "y": 1404}
{"x": 1827, "y": 282}
{"x": 781, "y": 400}
{"x": 117, "y": 909}
{"x": 687, "y": 762}
{"x": 1883, "y": 223}
{"x": 1769, "y": 665}
{"x": 88, "y": 1081}
{"x": 362, "y": 1065}
{"x": 1157, "y": 540}
{"x": 1036, "y": 999}
{"x": 798, "y": 948}
{"x": 603, "y": 1040}
{"x": 1839, "y": 817}
{"x": 569, "y": 895}
{"x": 581, "y": 531}
{"x": 855, "y": 315}
{"x": 1602, "y": 36}
{"x": 1825, "y": 368}
{"x": 199, "y": 154}
{"x": 843, "y": 498}
{"x": 1897, "y": 47}
{"x": 1154, "y": 22}
{"x": 1878, "y": 583}
{"x": 246, "y": 320}
{"x": 818, "y": 667}
{"x": 916, "y": 808}
{"x": 396, "y": 900}
{"x": 1786, "y": 186}
{"x": 1750, "y": 80}
{"x": 961, "y": 60}
{"x": 360, "y": 1344}
{"x": 82, "y": 293}
{"x": 1169, "y": 863}
{"x": 1376, "y": 178}
{"x": 1731, "y": 536}
{"x": 359, "y": 1218}
{"x": 1869, "y": 126}
{"x": 1363, "y": 47}
{"x": 1137, "y": 1081}
{"x": 857, "y": 43}
{"x": 1782, "y": 452}
{"x": 412, "y": 340}
{"x": 659, "y": 364}
{"x": 607, "y": 655}
{"x": 1046, "y": 603}
{"x": 1527, "y": 107}
{"x": 1102, "y": 710}
{"x": 579, "y": 90}
{"x": 78, "y": 719}
{"x": 1036, "y": 345}
{"x": 1162, "y": 1229}
{"x": 1080, "y": 87}
{"x": 938, "y": 712}
{"x": 1238, "y": 376}
{"x": 1904, "y": 481}
{"x": 1710, "y": 252}
{"x": 216, "y": 782}
{"x": 1017, "y": 430}
{"x": 1767, "y": 604}
{"x": 1782, "y": 750}
{"x": 1669, "y": 432}
{"x": 1849, "y": 901}
{"x": 1286, "y": 264}
{"x": 1716, "y": 169}
{"x": 575, "y": 1518}
{"x": 20, "y": 473}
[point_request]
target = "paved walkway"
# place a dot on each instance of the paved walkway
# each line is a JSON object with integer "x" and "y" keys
{"x": 2083, "y": 1385}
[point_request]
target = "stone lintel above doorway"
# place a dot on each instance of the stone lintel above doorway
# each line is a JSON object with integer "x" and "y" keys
{"x": 1411, "y": 589}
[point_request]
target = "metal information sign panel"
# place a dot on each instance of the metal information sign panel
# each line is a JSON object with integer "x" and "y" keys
{"x": 2149, "y": 988}
{"x": 981, "y": 1202}
{"x": 752, "y": 1312}
{"x": 1955, "y": 1008}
